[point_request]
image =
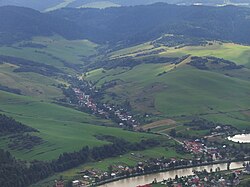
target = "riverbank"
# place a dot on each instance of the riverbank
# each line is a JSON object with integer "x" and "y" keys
{"x": 106, "y": 182}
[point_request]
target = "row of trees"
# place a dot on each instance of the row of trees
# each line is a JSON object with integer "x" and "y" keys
{"x": 30, "y": 66}
{"x": 14, "y": 173}
{"x": 9, "y": 125}
{"x": 206, "y": 63}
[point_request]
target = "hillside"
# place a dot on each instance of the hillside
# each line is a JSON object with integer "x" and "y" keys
{"x": 62, "y": 129}
{"x": 128, "y": 25}
{"x": 105, "y": 89}
{"x": 19, "y": 24}
{"x": 209, "y": 87}
{"x": 49, "y": 5}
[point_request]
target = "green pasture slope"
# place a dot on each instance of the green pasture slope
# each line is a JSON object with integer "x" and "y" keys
{"x": 182, "y": 91}
{"x": 239, "y": 54}
{"x": 30, "y": 84}
{"x": 54, "y": 51}
{"x": 71, "y": 51}
{"x": 63, "y": 129}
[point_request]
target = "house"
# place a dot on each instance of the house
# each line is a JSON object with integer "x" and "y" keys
{"x": 59, "y": 184}
{"x": 247, "y": 169}
{"x": 76, "y": 183}
{"x": 147, "y": 185}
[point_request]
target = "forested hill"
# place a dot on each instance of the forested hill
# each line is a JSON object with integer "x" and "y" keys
{"x": 143, "y": 23}
{"x": 128, "y": 25}
{"x": 19, "y": 23}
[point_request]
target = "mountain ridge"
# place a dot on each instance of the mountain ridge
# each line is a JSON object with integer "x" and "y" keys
{"x": 127, "y": 25}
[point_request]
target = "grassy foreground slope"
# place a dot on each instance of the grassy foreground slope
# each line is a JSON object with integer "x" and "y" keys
{"x": 63, "y": 129}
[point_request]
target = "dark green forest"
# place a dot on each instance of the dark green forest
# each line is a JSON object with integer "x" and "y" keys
{"x": 127, "y": 25}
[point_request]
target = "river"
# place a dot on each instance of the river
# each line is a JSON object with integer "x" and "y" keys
{"x": 146, "y": 179}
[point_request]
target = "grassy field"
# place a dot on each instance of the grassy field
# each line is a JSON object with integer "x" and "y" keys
{"x": 69, "y": 51}
{"x": 55, "y": 50}
{"x": 30, "y": 84}
{"x": 63, "y": 129}
{"x": 181, "y": 91}
{"x": 239, "y": 54}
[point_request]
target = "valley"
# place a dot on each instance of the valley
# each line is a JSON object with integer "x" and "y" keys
{"x": 103, "y": 93}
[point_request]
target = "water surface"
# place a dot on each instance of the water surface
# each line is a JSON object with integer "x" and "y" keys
{"x": 146, "y": 179}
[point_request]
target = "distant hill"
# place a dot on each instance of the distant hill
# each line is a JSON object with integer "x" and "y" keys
{"x": 23, "y": 23}
{"x": 48, "y": 5}
{"x": 127, "y": 25}
{"x": 130, "y": 25}
{"x": 38, "y": 5}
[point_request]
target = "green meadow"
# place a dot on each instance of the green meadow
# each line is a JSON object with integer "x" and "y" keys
{"x": 71, "y": 51}
{"x": 63, "y": 129}
{"x": 181, "y": 91}
{"x": 30, "y": 84}
{"x": 239, "y": 54}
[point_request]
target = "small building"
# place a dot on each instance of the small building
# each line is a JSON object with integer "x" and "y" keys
{"x": 59, "y": 183}
{"x": 76, "y": 183}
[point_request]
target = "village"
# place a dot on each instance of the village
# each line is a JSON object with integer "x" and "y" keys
{"x": 198, "y": 179}
{"x": 202, "y": 155}
{"x": 119, "y": 115}
{"x": 203, "y": 151}
{"x": 205, "y": 178}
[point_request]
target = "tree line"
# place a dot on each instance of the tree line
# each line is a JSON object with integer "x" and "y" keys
{"x": 9, "y": 125}
{"x": 15, "y": 173}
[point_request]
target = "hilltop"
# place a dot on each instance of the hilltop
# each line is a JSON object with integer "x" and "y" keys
{"x": 50, "y": 5}
{"x": 128, "y": 25}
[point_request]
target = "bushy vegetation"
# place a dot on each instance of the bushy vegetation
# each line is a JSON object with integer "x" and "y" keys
{"x": 30, "y": 66}
{"x": 178, "y": 41}
{"x": 209, "y": 63}
{"x": 9, "y": 126}
{"x": 132, "y": 62}
{"x": 11, "y": 90}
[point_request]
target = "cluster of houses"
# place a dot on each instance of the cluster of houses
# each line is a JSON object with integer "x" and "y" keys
{"x": 199, "y": 179}
{"x": 197, "y": 147}
{"x": 94, "y": 176}
{"x": 202, "y": 180}
{"x": 105, "y": 110}
{"x": 205, "y": 179}
{"x": 85, "y": 100}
